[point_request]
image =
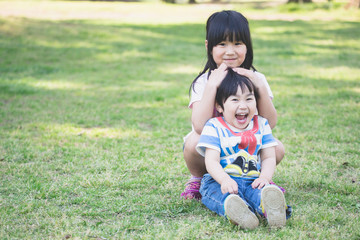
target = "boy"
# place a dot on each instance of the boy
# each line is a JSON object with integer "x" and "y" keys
{"x": 234, "y": 186}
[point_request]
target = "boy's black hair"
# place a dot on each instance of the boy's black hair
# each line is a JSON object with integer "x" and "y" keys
{"x": 230, "y": 85}
{"x": 225, "y": 25}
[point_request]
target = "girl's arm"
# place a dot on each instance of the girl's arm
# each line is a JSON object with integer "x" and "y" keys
{"x": 212, "y": 162}
{"x": 268, "y": 164}
{"x": 264, "y": 104}
{"x": 203, "y": 110}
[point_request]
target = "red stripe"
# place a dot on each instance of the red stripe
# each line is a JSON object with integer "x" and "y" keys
{"x": 247, "y": 132}
{"x": 248, "y": 138}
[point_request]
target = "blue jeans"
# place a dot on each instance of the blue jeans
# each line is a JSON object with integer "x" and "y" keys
{"x": 213, "y": 199}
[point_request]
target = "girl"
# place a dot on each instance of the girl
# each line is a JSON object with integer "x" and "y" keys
{"x": 228, "y": 45}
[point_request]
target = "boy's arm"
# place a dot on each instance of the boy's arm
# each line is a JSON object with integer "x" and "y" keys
{"x": 268, "y": 164}
{"x": 212, "y": 162}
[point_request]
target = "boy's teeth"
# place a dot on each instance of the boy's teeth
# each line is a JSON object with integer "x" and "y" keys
{"x": 240, "y": 116}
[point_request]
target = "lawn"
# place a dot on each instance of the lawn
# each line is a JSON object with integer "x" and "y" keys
{"x": 93, "y": 109}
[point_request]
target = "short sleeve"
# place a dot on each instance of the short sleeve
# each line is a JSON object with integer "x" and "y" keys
{"x": 268, "y": 139}
{"x": 209, "y": 138}
{"x": 263, "y": 78}
{"x": 198, "y": 88}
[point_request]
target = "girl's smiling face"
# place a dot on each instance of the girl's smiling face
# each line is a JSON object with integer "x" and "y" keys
{"x": 231, "y": 53}
{"x": 238, "y": 110}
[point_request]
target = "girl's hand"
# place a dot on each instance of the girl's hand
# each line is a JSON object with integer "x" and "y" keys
{"x": 229, "y": 186}
{"x": 217, "y": 75}
{"x": 251, "y": 75}
{"x": 259, "y": 183}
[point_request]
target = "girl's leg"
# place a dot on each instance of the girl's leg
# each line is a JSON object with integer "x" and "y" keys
{"x": 280, "y": 151}
{"x": 194, "y": 161}
{"x": 196, "y": 165}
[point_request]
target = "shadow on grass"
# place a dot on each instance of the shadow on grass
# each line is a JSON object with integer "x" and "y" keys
{"x": 134, "y": 73}
{"x": 93, "y": 114}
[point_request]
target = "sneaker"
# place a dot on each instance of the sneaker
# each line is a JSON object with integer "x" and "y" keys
{"x": 238, "y": 212}
{"x": 273, "y": 204}
{"x": 192, "y": 189}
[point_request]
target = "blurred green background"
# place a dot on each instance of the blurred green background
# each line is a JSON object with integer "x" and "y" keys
{"x": 93, "y": 109}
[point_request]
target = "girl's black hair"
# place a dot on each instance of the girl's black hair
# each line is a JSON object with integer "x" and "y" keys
{"x": 230, "y": 85}
{"x": 224, "y": 25}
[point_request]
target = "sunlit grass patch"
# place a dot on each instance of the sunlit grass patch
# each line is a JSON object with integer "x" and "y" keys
{"x": 93, "y": 110}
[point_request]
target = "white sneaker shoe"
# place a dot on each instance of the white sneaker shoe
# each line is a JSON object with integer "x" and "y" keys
{"x": 273, "y": 203}
{"x": 238, "y": 212}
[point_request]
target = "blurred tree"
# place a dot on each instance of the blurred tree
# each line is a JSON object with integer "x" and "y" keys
{"x": 299, "y": 1}
{"x": 353, "y": 3}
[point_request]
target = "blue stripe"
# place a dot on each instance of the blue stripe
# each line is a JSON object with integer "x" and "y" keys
{"x": 268, "y": 138}
{"x": 210, "y": 140}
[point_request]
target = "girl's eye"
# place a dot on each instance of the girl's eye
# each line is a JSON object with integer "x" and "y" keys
{"x": 239, "y": 43}
{"x": 221, "y": 44}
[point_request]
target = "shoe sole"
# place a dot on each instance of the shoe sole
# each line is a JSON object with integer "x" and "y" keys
{"x": 273, "y": 201}
{"x": 239, "y": 213}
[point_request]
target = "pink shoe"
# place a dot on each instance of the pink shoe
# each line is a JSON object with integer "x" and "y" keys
{"x": 281, "y": 188}
{"x": 192, "y": 189}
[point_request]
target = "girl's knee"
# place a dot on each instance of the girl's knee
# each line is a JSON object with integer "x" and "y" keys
{"x": 280, "y": 151}
{"x": 191, "y": 142}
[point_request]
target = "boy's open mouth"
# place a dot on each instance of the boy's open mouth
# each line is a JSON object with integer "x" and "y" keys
{"x": 241, "y": 118}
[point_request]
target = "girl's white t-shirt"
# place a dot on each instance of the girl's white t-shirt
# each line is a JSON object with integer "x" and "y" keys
{"x": 198, "y": 90}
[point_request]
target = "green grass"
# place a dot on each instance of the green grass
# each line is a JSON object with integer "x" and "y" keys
{"x": 93, "y": 113}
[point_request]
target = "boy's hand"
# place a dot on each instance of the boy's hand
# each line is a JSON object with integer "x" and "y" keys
{"x": 259, "y": 183}
{"x": 229, "y": 186}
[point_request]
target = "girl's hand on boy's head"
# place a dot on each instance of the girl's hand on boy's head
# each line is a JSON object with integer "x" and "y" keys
{"x": 259, "y": 183}
{"x": 250, "y": 74}
{"x": 218, "y": 75}
{"x": 229, "y": 186}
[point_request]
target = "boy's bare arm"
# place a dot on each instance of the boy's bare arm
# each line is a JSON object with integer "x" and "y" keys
{"x": 212, "y": 162}
{"x": 268, "y": 165}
